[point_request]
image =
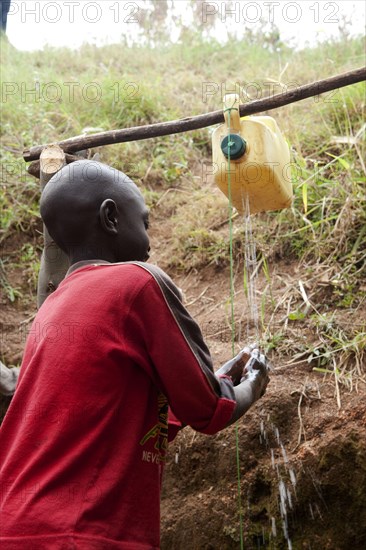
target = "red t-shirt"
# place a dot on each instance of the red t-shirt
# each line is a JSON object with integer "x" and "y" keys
{"x": 83, "y": 443}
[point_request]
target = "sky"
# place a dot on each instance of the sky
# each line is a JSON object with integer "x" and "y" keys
{"x": 33, "y": 24}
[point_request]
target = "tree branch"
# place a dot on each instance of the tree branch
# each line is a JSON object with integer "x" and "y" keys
{"x": 136, "y": 133}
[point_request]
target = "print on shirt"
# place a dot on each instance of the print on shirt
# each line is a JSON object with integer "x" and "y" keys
{"x": 159, "y": 432}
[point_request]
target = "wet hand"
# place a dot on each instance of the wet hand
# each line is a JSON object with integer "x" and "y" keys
{"x": 256, "y": 372}
{"x": 235, "y": 368}
{"x": 252, "y": 384}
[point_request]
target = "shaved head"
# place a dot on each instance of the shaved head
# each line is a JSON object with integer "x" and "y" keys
{"x": 93, "y": 210}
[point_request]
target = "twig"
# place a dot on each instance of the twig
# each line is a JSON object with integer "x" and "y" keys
{"x": 201, "y": 121}
{"x": 306, "y": 396}
{"x": 338, "y": 394}
{"x": 301, "y": 428}
{"x": 218, "y": 225}
{"x": 197, "y": 298}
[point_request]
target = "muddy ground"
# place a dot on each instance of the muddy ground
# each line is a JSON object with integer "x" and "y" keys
{"x": 302, "y": 458}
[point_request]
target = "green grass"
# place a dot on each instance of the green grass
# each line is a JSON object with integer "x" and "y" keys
{"x": 57, "y": 93}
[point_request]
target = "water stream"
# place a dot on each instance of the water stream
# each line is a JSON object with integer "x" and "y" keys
{"x": 269, "y": 433}
{"x": 250, "y": 274}
{"x": 286, "y": 478}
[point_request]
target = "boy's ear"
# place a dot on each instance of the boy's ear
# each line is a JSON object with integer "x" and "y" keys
{"x": 108, "y": 216}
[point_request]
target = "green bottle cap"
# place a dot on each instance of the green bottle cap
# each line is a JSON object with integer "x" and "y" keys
{"x": 237, "y": 146}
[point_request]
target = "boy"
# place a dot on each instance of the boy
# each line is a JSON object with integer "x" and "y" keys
{"x": 83, "y": 443}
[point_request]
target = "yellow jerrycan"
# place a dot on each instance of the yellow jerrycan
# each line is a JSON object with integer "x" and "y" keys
{"x": 259, "y": 160}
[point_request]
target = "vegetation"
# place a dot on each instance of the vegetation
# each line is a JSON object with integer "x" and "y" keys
{"x": 59, "y": 93}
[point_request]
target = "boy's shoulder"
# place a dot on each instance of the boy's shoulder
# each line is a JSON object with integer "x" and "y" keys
{"x": 163, "y": 280}
{"x": 141, "y": 268}
{"x": 165, "y": 283}
{"x": 141, "y": 272}
{"x": 138, "y": 274}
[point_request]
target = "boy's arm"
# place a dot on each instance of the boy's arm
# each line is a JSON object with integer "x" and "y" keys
{"x": 170, "y": 347}
{"x": 8, "y": 379}
{"x": 249, "y": 373}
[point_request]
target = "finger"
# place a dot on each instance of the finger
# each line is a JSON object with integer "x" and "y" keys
{"x": 245, "y": 351}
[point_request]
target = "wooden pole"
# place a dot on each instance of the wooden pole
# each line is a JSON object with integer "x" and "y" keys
{"x": 54, "y": 262}
{"x": 34, "y": 168}
{"x": 137, "y": 133}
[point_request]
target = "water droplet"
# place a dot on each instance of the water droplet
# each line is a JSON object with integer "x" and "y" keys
{"x": 284, "y": 453}
{"x": 272, "y": 459}
{"x": 292, "y": 477}
{"x": 289, "y": 498}
{"x": 274, "y": 530}
{"x": 277, "y": 434}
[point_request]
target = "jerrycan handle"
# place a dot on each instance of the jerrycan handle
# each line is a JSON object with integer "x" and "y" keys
{"x": 233, "y": 144}
{"x": 231, "y": 105}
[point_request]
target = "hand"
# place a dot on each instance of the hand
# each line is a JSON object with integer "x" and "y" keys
{"x": 252, "y": 385}
{"x": 235, "y": 368}
{"x": 256, "y": 373}
{"x": 8, "y": 379}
